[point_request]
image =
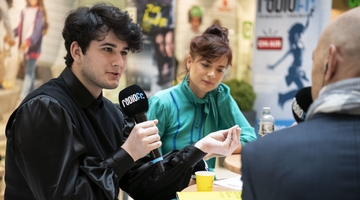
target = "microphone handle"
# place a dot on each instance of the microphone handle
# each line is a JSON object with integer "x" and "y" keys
{"x": 155, "y": 154}
{"x": 140, "y": 118}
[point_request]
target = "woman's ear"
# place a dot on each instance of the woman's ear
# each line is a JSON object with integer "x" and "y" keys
{"x": 188, "y": 62}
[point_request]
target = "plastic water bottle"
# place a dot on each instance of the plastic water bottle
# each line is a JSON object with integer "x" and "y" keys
{"x": 266, "y": 122}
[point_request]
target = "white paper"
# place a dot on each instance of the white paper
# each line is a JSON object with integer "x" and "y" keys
{"x": 233, "y": 182}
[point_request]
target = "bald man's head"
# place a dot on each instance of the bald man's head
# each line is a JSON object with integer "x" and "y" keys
{"x": 336, "y": 56}
{"x": 344, "y": 33}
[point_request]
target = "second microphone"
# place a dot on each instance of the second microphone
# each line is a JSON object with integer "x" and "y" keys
{"x": 134, "y": 103}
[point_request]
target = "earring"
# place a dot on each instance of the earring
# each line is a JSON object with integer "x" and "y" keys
{"x": 188, "y": 80}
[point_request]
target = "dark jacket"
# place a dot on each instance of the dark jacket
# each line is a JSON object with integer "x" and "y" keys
{"x": 316, "y": 159}
{"x": 64, "y": 144}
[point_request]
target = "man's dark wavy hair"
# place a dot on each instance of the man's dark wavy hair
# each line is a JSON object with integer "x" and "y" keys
{"x": 92, "y": 23}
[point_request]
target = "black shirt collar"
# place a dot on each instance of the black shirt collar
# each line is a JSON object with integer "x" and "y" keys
{"x": 81, "y": 94}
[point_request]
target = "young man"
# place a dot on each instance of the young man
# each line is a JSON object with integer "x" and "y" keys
{"x": 318, "y": 158}
{"x": 65, "y": 140}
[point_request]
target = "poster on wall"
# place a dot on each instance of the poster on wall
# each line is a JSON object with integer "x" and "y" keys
{"x": 50, "y": 40}
{"x": 286, "y": 33}
{"x": 154, "y": 67}
{"x": 194, "y": 17}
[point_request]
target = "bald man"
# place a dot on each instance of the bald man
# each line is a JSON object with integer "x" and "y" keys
{"x": 319, "y": 158}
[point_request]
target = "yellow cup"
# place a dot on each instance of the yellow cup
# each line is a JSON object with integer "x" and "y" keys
{"x": 204, "y": 180}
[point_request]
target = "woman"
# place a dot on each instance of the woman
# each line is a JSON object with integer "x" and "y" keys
{"x": 200, "y": 104}
{"x": 32, "y": 26}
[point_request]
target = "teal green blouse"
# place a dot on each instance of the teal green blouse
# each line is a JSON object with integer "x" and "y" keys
{"x": 184, "y": 118}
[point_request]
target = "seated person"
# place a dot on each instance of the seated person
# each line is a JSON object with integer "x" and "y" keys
{"x": 200, "y": 104}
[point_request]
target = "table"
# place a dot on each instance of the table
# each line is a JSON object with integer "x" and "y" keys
{"x": 233, "y": 163}
{"x": 192, "y": 188}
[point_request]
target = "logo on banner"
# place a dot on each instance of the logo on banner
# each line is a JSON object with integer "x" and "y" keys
{"x": 280, "y": 6}
{"x": 269, "y": 43}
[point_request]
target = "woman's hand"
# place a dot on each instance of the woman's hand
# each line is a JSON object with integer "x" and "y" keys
{"x": 221, "y": 143}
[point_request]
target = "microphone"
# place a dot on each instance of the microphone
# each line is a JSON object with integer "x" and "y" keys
{"x": 301, "y": 104}
{"x": 134, "y": 103}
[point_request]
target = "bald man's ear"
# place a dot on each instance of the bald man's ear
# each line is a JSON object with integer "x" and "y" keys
{"x": 326, "y": 68}
{"x": 331, "y": 65}
{"x": 75, "y": 51}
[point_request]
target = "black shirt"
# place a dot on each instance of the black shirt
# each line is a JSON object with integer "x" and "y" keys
{"x": 62, "y": 143}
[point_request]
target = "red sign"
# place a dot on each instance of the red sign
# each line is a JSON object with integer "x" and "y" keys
{"x": 224, "y": 6}
{"x": 269, "y": 43}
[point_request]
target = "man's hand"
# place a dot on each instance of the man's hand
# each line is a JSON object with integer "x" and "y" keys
{"x": 143, "y": 138}
{"x": 222, "y": 143}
